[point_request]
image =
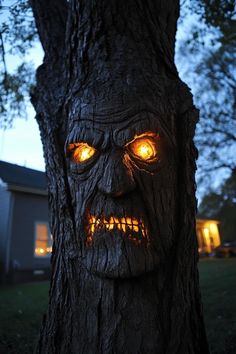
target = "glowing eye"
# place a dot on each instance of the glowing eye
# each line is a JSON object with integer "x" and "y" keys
{"x": 144, "y": 148}
{"x": 81, "y": 152}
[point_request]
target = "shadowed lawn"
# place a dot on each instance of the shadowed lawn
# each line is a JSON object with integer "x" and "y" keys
{"x": 218, "y": 286}
{"x": 22, "y": 308}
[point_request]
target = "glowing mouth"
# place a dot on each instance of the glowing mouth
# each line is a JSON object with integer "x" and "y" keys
{"x": 133, "y": 227}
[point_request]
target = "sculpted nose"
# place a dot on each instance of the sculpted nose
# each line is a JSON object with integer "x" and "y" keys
{"x": 117, "y": 178}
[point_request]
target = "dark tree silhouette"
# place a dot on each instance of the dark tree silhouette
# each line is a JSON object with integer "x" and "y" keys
{"x": 210, "y": 46}
{"x": 117, "y": 128}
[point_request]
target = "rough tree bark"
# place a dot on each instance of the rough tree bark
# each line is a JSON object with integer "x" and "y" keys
{"x": 126, "y": 282}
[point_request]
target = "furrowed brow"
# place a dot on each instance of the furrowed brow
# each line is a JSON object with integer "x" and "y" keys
{"x": 93, "y": 137}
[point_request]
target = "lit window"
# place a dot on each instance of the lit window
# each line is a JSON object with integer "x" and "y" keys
{"x": 43, "y": 240}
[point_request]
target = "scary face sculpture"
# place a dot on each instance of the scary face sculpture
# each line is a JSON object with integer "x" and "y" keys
{"x": 122, "y": 184}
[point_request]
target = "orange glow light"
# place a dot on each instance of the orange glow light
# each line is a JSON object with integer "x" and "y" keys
{"x": 144, "y": 148}
{"x": 81, "y": 151}
{"x": 42, "y": 251}
{"x": 128, "y": 225}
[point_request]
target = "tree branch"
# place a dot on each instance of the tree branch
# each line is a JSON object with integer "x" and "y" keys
{"x": 3, "y": 57}
{"x": 219, "y": 166}
{"x": 50, "y": 17}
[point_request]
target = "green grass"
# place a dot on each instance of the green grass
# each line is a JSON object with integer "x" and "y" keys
{"x": 218, "y": 286}
{"x": 22, "y": 308}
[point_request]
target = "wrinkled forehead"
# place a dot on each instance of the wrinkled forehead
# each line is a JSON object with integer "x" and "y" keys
{"x": 120, "y": 127}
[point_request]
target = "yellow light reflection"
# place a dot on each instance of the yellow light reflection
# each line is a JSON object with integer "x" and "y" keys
{"x": 42, "y": 251}
{"x": 213, "y": 228}
{"x": 206, "y": 232}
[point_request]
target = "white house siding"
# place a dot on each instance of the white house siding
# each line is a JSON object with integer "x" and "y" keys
{"x": 28, "y": 209}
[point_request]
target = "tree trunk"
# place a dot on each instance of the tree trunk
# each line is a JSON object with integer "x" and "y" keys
{"x": 117, "y": 128}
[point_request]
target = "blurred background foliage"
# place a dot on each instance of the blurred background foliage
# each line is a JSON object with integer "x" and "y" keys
{"x": 17, "y": 36}
{"x": 207, "y": 57}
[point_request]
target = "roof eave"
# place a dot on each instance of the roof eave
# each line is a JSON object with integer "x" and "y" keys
{"x": 24, "y": 189}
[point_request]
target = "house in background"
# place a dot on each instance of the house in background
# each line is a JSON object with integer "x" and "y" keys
{"x": 208, "y": 235}
{"x": 25, "y": 239}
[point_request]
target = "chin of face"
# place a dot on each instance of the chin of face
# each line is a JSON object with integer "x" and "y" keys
{"x": 120, "y": 240}
{"x": 115, "y": 254}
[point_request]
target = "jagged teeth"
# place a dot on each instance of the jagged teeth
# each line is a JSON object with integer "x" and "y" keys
{"x": 123, "y": 224}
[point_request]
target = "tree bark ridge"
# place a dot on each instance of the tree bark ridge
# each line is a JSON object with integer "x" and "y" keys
{"x": 115, "y": 59}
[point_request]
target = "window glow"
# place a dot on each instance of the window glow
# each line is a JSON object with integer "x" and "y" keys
{"x": 43, "y": 240}
{"x": 81, "y": 151}
{"x": 213, "y": 228}
{"x": 208, "y": 235}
